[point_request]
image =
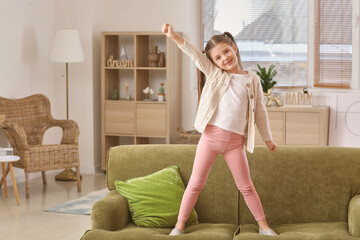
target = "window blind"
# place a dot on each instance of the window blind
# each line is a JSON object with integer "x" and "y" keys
{"x": 333, "y": 43}
{"x": 266, "y": 31}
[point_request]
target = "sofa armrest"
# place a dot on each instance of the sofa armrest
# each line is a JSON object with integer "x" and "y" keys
{"x": 354, "y": 216}
{"x": 110, "y": 213}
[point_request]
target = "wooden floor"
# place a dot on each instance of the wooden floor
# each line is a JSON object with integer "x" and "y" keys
{"x": 30, "y": 221}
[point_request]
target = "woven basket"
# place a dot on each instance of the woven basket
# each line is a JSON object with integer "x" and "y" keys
{"x": 187, "y": 137}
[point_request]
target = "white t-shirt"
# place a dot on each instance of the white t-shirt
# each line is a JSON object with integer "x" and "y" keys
{"x": 233, "y": 106}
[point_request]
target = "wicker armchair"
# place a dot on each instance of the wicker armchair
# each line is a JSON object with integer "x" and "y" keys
{"x": 24, "y": 122}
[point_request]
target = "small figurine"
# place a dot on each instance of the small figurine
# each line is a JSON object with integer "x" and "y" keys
{"x": 271, "y": 99}
{"x": 123, "y": 55}
{"x": 126, "y": 88}
{"x": 147, "y": 91}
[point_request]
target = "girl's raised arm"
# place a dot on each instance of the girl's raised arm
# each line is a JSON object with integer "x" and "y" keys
{"x": 168, "y": 30}
{"x": 201, "y": 61}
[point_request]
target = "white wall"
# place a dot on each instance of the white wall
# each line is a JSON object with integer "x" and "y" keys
{"x": 26, "y": 36}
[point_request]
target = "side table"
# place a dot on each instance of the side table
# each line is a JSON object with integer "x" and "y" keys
{"x": 10, "y": 159}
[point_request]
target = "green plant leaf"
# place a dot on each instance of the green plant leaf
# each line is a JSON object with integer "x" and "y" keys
{"x": 266, "y": 77}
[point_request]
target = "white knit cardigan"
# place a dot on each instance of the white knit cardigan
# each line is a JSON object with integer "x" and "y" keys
{"x": 217, "y": 82}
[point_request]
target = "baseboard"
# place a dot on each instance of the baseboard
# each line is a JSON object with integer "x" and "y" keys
{"x": 20, "y": 175}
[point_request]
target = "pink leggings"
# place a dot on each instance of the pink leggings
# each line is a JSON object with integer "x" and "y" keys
{"x": 213, "y": 141}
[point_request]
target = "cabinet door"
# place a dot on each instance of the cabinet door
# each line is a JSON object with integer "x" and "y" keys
{"x": 277, "y": 127}
{"x": 303, "y": 128}
{"x": 151, "y": 120}
{"x": 276, "y": 121}
{"x": 119, "y": 118}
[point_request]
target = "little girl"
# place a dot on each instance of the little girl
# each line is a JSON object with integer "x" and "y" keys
{"x": 231, "y": 102}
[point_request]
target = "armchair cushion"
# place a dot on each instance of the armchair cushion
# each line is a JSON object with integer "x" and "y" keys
{"x": 154, "y": 200}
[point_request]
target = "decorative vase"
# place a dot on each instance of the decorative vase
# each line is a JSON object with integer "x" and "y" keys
{"x": 115, "y": 95}
{"x": 162, "y": 59}
{"x": 153, "y": 57}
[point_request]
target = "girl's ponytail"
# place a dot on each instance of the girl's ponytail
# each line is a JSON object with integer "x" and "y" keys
{"x": 229, "y": 35}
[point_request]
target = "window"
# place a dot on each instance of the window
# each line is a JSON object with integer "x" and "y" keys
{"x": 332, "y": 43}
{"x": 277, "y": 32}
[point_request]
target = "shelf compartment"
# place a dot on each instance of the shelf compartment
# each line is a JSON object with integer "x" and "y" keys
{"x": 150, "y": 140}
{"x": 144, "y": 44}
{"x": 116, "y": 79}
{"x": 114, "y": 45}
{"x": 149, "y": 78}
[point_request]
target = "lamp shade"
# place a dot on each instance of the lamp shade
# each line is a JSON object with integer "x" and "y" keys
{"x": 67, "y": 46}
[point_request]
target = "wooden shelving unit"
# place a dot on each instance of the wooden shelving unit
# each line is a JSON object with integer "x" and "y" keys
{"x": 136, "y": 121}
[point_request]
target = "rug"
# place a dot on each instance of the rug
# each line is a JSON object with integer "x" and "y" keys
{"x": 82, "y": 205}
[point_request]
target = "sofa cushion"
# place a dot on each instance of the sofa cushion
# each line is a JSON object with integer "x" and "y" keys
{"x": 300, "y": 231}
{"x": 154, "y": 200}
{"x": 195, "y": 232}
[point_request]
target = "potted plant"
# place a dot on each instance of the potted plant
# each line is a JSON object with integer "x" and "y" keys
{"x": 161, "y": 94}
{"x": 267, "y": 83}
{"x": 266, "y": 77}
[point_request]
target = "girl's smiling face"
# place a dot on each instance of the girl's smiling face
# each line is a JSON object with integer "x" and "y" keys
{"x": 224, "y": 56}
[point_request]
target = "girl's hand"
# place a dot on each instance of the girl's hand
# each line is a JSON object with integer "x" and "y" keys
{"x": 271, "y": 145}
{"x": 168, "y": 30}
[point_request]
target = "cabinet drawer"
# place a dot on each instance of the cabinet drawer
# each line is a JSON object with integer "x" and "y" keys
{"x": 151, "y": 120}
{"x": 119, "y": 118}
{"x": 303, "y": 128}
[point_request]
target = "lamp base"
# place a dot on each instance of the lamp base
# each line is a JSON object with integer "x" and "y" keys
{"x": 67, "y": 175}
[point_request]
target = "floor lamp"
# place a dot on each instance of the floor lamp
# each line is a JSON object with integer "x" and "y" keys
{"x": 67, "y": 49}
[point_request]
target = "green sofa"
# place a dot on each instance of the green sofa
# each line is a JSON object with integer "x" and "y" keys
{"x": 306, "y": 192}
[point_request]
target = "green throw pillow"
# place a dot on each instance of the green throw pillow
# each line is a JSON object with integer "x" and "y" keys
{"x": 154, "y": 200}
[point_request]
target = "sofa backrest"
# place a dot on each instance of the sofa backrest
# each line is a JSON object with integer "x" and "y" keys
{"x": 303, "y": 184}
{"x": 218, "y": 201}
